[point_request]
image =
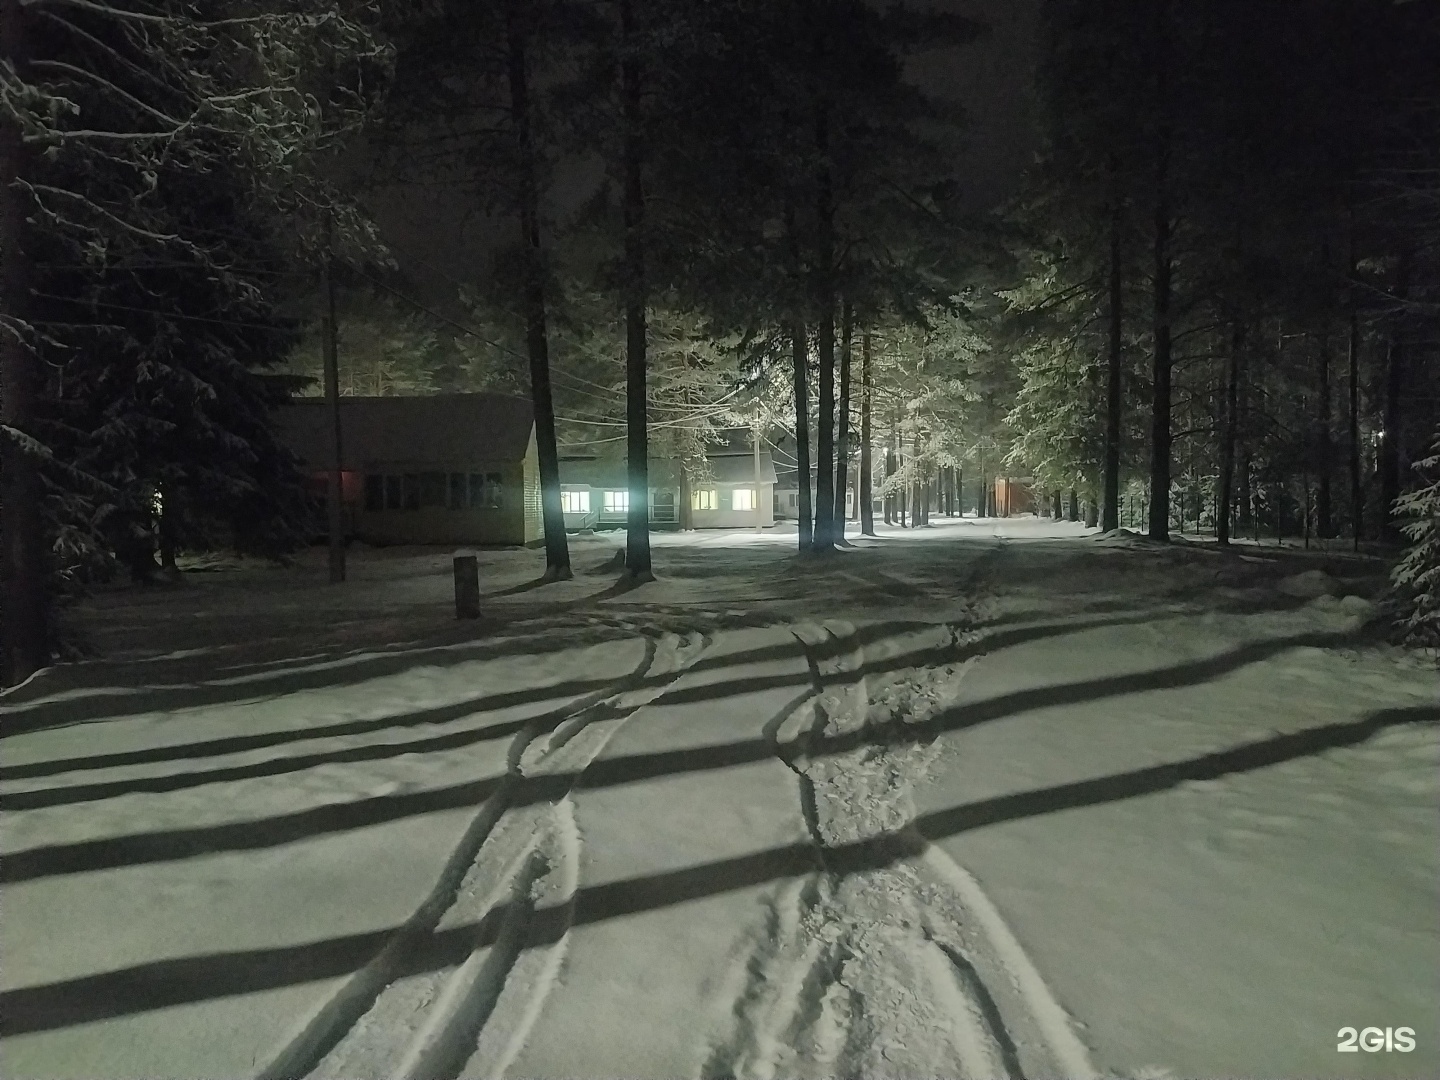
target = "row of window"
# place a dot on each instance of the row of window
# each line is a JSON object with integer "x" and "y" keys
{"x": 445, "y": 491}
{"x": 618, "y": 502}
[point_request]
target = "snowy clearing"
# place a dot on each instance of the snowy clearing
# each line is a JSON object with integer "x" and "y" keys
{"x": 991, "y": 799}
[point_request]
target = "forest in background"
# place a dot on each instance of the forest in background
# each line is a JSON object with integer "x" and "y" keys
{"x": 1213, "y": 304}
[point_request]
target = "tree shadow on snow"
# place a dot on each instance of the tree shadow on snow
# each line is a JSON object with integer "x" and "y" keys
{"x": 171, "y": 844}
{"x": 158, "y": 984}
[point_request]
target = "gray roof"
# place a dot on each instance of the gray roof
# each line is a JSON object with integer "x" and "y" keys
{"x": 438, "y": 428}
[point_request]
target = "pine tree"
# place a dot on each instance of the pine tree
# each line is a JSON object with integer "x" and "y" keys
{"x": 119, "y": 122}
{"x": 1417, "y": 576}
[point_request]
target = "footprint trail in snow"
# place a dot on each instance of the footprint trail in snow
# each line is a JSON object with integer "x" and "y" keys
{"x": 890, "y": 960}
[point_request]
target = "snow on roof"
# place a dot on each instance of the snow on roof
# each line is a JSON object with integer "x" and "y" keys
{"x": 440, "y": 428}
{"x": 610, "y": 472}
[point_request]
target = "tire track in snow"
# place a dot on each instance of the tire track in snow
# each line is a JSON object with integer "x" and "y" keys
{"x": 384, "y": 1022}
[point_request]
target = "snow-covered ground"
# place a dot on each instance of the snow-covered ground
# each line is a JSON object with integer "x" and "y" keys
{"x": 993, "y": 799}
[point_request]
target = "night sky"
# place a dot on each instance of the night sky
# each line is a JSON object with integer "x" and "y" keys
{"x": 443, "y": 237}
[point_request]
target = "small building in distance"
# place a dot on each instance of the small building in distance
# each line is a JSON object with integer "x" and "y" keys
{"x": 1014, "y": 495}
{"x": 595, "y": 491}
{"x": 437, "y": 469}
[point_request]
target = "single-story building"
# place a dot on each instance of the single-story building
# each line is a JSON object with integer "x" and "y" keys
{"x": 438, "y": 469}
{"x": 594, "y": 492}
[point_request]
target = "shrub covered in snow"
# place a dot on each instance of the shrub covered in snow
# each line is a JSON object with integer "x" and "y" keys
{"x": 1417, "y": 577}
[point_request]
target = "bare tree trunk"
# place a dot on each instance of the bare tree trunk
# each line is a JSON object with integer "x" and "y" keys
{"x": 1072, "y": 512}
{"x": 889, "y": 472}
{"x": 637, "y": 443}
{"x": 537, "y": 342}
{"x": 824, "y": 536}
{"x": 1357, "y": 494}
{"x": 799, "y": 355}
{"x": 842, "y": 421}
{"x": 1225, "y": 496}
{"x": 687, "y": 511}
{"x": 1391, "y": 432}
{"x": 1160, "y": 433}
{"x": 334, "y": 492}
{"x": 1324, "y": 446}
{"x": 168, "y": 517}
{"x": 1110, "y": 483}
{"x": 1389, "y": 455}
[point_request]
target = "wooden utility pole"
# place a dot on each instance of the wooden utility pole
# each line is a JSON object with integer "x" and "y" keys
{"x": 334, "y": 493}
{"x": 755, "y": 444}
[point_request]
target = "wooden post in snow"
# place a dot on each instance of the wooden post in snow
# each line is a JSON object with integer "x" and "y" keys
{"x": 467, "y": 587}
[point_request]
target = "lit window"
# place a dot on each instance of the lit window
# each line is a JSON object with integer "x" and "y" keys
{"x": 617, "y": 502}
{"x": 744, "y": 499}
{"x": 702, "y": 500}
{"x": 575, "y": 502}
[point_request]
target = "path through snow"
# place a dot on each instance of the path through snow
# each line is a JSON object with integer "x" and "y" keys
{"x": 735, "y": 823}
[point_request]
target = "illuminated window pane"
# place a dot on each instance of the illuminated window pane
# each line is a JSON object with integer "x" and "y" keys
{"x": 617, "y": 502}
{"x": 744, "y": 499}
{"x": 703, "y": 500}
{"x": 575, "y": 502}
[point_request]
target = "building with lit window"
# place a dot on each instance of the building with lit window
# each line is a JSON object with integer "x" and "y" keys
{"x": 723, "y": 494}
{"x": 440, "y": 469}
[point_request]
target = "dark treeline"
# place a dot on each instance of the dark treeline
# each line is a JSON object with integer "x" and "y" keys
{"x": 1231, "y": 311}
{"x": 1211, "y": 305}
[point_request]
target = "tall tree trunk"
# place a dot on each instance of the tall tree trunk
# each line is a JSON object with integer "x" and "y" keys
{"x": 799, "y": 353}
{"x": 1390, "y": 440}
{"x": 1392, "y": 424}
{"x": 1324, "y": 446}
{"x": 687, "y": 511}
{"x": 842, "y": 420}
{"x": 537, "y": 339}
{"x": 1225, "y": 495}
{"x": 637, "y": 443}
{"x": 1160, "y": 434}
{"x": 334, "y": 492}
{"x": 1357, "y": 494}
{"x": 824, "y": 537}
{"x": 1110, "y": 482}
{"x": 865, "y": 479}
{"x": 1072, "y": 512}
{"x": 889, "y": 472}
{"x": 167, "y": 520}
{"x": 24, "y": 601}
